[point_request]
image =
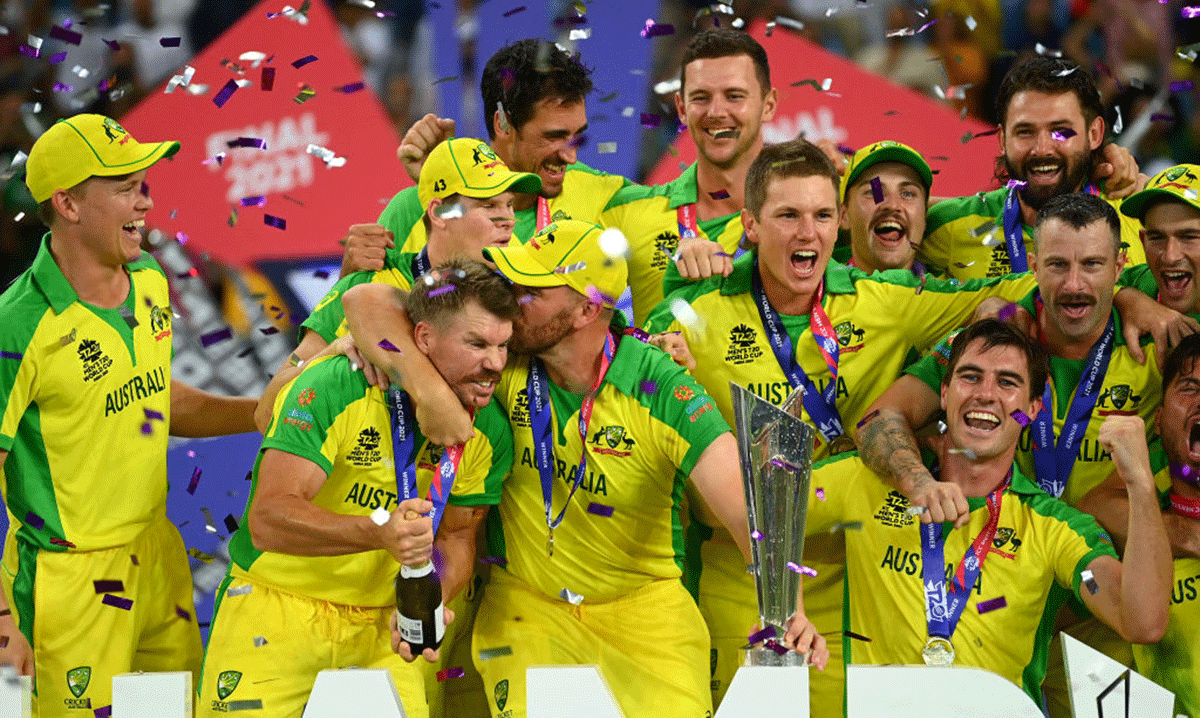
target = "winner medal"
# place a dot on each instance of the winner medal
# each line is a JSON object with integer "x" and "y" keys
{"x": 938, "y": 652}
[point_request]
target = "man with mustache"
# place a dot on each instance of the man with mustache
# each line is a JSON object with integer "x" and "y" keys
{"x": 1076, "y": 258}
{"x": 885, "y": 190}
{"x": 328, "y": 524}
{"x": 1052, "y": 134}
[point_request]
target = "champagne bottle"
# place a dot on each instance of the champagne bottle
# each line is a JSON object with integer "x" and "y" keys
{"x": 419, "y": 607}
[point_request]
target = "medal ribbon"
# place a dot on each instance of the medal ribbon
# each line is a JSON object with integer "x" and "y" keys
{"x": 405, "y": 460}
{"x": 1187, "y": 506}
{"x": 1054, "y": 461}
{"x": 1014, "y": 229}
{"x": 822, "y": 409}
{"x": 538, "y": 388}
{"x": 685, "y": 215}
{"x": 943, "y": 608}
{"x": 543, "y": 214}
{"x": 420, "y": 263}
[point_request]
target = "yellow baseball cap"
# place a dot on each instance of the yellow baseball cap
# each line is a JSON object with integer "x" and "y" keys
{"x": 566, "y": 253}
{"x": 1180, "y": 183}
{"x": 885, "y": 151}
{"x": 84, "y": 146}
{"x": 469, "y": 167}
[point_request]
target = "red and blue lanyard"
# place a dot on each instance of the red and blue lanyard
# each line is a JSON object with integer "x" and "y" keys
{"x": 404, "y": 457}
{"x": 420, "y": 263}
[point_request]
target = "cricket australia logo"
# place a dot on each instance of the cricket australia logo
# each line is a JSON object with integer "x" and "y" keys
{"x": 500, "y": 694}
{"x": 559, "y": 215}
{"x": 78, "y": 680}
{"x": 430, "y": 457}
{"x": 1006, "y": 542}
{"x": 95, "y": 363}
{"x": 665, "y": 246}
{"x": 894, "y": 512}
{"x": 743, "y": 347}
{"x": 1119, "y": 399}
{"x": 227, "y": 683}
{"x": 615, "y": 441}
{"x": 848, "y": 334}
{"x": 366, "y": 452}
{"x": 482, "y": 154}
{"x": 160, "y": 322}
{"x": 546, "y": 236}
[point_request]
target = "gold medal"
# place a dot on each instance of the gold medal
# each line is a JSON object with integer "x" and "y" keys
{"x": 938, "y": 652}
{"x": 841, "y": 445}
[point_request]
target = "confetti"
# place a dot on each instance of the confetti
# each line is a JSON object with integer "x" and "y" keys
{"x": 1063, "y": 135}
{"x": 801, "y": 569}
{"x": 256, "y": 201}
{"x": 214, "y": 337}
{"x": 31, "y": 52}
{"x": 105, "y": 712}
{"x": 219, "y": 158}
{"x": 62, "y": 542}
{"x": 649, "y": 386}
{"x": 490, "y": 653}
{"x": 1181, "y": 86}
{"x": 441, "y": 290}
{"x": 268, "y": 331}
{"x": 970, "y": 455}
{"x": 445, "y": 79}
{"x": 117, "y": 602}
{"x": 385, "y": 345}
{"x": 108, "y": 586}
{"x": 169, "y": 41}
{"x": 651, "y": 120}
{"x": 32, "y": 519}
{"x": 963, "y": 265}
{"x": 820, "y": 493}
{"x": 245, "y": 705}
{"x": 778, "y": 461}
{"x": 776, "y": 647}
{"x": 1162, "y": 117}
{"x": 304, "y": 61}
{"x": 328, "y": 156}
{"x": 916, "y": 510}
{"x": 1006, "y": 313}
{"x": 757, "y": 636}
{"x": 847, "y": 526}
{"x": 606, "y": 148}
{"x": 719, "y": 194}
{"x": 239, "y": 590}
{"x": 200, "y": 555}
{"x": 273, "y": 221}
{"x": 59, "y": 57}
{"x": 450, "y": 673}
{"x": 112, "y": 44}
{"x": 1020, "y": 417}
{"x": 1188, "y": 11}
{"x": 494, "y": 559}
{"x": 306, "y": 93}
{"x": 60, "y": 87}
{"x": 266, "y": 81}
{"x": 514, "y": 11}
{"x": 756, "y": 535}
{"x": 683, "y": 312}
{"x": 349, "y": 88}
{"x": 1090, "y": 581}
{"x": 570, "y": 596}
{"x": 1118, "y": 124}
{"x": 183, "y": 614}
{"x": 68, "y": 36}
{"x": 991, "y": 604}
{"x": 654, "y": 29}
{"x": 876, "y": 190}
{"x": 210, "y": 524}
{"x": 260, "y": 641}
{"x": 247, "y": 142}
{"x": 11, "y": 355}
{"x": 225, "y": 93}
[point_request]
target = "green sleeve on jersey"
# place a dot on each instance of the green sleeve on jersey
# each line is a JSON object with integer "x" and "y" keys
{"x": 327, "y": 316}
{"x": 22, "y": 307}
{"x": 631, "y": 193}
{"x": 1140, "y": 278}
{"x": 932, "y": 367}
{"x": 680, "y": 402}
{"x": 312, "y": 403}
{"x": 493, "y": 424}
{"x": 400, "y": 216}
{"x": 949, "y": 210}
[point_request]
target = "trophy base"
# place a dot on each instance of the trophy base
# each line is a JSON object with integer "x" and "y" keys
{"x": 767, "y": 657}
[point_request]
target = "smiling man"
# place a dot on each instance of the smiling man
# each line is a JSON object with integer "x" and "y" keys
{"x": 1052, "y": 136}
{"x": 885, "y": 190}
{"x": 1170, "y": 215}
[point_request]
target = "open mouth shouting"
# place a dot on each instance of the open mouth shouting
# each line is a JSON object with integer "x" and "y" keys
{"x": 1075, "y": 306}
{"x": 1193, "y": 445}
{"x": 1175, "y": 283}
{"x": 133, "y": 229}
{"x": 890, "y": 232}
{"x": 804, "y": 263}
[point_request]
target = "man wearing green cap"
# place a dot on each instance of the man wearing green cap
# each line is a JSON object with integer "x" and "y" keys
{"x": 96, "y": 579}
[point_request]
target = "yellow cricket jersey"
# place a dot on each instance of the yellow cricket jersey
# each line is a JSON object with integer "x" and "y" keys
{"x": 334, "y": 418}
{"x": 328, "y": 319}
{"x": 1039, "y": 550}
{"x": 1128, "y": 388}
{"x": 957, "y": 229}
{"x": 650, "y": 424}
{"x": 1173, "y": 662}
{"x": 649, "y": 219}
{"x": 85, "y": 407}
{"x": 585, "y": 193}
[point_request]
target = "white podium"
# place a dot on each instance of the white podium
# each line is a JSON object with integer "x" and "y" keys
{"x": 779, "y": 691}
{"x": 568, "y": 692}
{"x": 16, "y": 694}
{"x": 1098, "y": 683}
{"x": 370, "y": 691}
{"x": 152, "y": 695}
{"x": 916, "y": 691}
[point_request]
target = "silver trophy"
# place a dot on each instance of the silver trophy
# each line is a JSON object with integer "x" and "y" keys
{"x": 775, "y": 448}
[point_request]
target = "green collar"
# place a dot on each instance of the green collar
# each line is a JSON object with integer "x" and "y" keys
{"x": 683, "y": 189}
{"x": 1028, "y": 303}
{"x": 839, "y": 278}
{"x": 53, "y": 283}
{"x": 1021, "y": 485}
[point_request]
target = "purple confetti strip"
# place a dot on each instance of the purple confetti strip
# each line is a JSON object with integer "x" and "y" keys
{"x": 578, "y": 142}
{"x": 1183, "y": 471}
{"x": 226, "y": 92}
{"x": 256, "y": 201}
{"x": 108, "y": 586}
{"x": 991, "y": 604}
{"x": 220, "y": 335}
{"x": 654, "y": 29}
{"x": 820, "y": 493}
{"x": 449, "y": 673}
{"x": 1063, "y": 135}
{"x": 133, "y": 557}
{"x": 31, "y": 52}
{"x": 1020, "y": 417}
{"x": 845, "y": 149}
{"x": 276, "y": 222}
{"x": 321, "y": 274}
{"x": 651, "y": 120}
{"x": 352, "y": 87}
{"x": 649, "y": 386}
{"x": 147, "y": 429}
{"x": 122, "y": 603}
{"x": 11, "y": 355}
{"x": 388, "y": 346}
{"x": 1015, "y": 183}
{"x": 245, "y": 352}
{"x": 60, "y": 87}
{"x": 268, "y": 331}
{"x": 152, "y": 414}
{"x": 59, "y": 57}
{"x": 1162, "y": 117}
{"x": 876, "y": 190}
{"x": 169, "y": 41}
{"x": 768, "y": 632}
{"x": 247, "y": 142}
{"x": 183, "y": 614}
{"x": 266, "y": 81}
{"x": 1181, "y": 85}
{"x": 780, "y": 463}
{"x": 756, "y": 535}
{"x": 719, "y": 194}
{"x": 105, "y": 712}
{"x": 1007, "y": 312}
{"x": 514, "y": 11}
{"x": 112, "y": 44}
{"x": 774, "y": 645}
{"x": 32, "y": 519}
{"x": 494, "y": 559}
{"x": 304, "y": 61}
{"x": 1188, "y": 11}
{"x": 600, "y": 509}
{"x": 792, "y": 565}
{"x": 441, "y": 290}
{"x": 194, "y": 481}
{"x": 68, "y": 36}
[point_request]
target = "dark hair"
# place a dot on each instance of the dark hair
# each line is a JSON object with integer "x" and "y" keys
{"x": 1185, "y": 353}
{"x": 996, "y": 333}
{"x": 446, "y": 289}
{"x": 794, "y": 158}
{"x": 528, "y": 71}
{"x": 1079, "y": 210}
{"x": 1053, "y": 76}
{"x": 723, "y": 42}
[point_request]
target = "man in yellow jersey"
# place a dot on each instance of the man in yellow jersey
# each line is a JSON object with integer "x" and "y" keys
{"x": 1076, "y": 257}
{"x": 764, "y": 326}
{"x": 884, "y": 191}
{"x": 984, "y": 593}
{"x": 96, "y": 579}
{"x": 467, "y": 193}
{"x": 725, "y": 96}
{"x": 1171, "y": 662}
{"x": 534, "y": 97}
{"x": 310, "y": 585}
{"x": 1052, "y": 135}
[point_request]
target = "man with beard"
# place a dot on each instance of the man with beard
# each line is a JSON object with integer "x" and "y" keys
{"x": 1051, "y": 133}
{"x": 918, "y": 590}
{"x": 534, "y": 96}
{"x": 1170, "y": 215}
{"x": 310, "y": 583}
{"x": 1076, "y": 258}
{"x": 608, "y": 431}
{"x": 1171, "y": 662}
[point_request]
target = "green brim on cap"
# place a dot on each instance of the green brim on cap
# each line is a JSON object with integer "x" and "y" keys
{"x": 903, "y": 155}
{"x": 517, "y": 264}
{"x": 1137, "y": 204}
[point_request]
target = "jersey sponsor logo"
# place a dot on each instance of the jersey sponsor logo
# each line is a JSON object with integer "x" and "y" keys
{"x": 366, "y": 452}
{"x": 665, "y": 246}
{"x": 683, "y": 393}
{"x": 78, "y": 680}
{"x": 95, "y": 362}
{"x": 1184, "y": 589}
{"x": 371, "y": 497}
{"x": 593, "y": 483}
{"x": 743, "y": 348}
{"x": 849, "y": 336}
{"x": 306, "y": 397}
{"x": 160, "y": 322}
{"x": 518, "y": 413}
{"x": 703, "y": 406}
{"x": 1118, "y": 399}
{"x": 894, "y": 512}
{"x": 302, "y": 420}
{"x": 615, "y": 441}
{"x": 136, "y": 389}
{"x": 500, "y": 694}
